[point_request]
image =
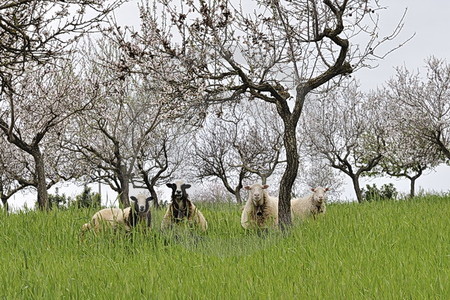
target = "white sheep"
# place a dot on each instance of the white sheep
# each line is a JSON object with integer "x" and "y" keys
{"x": 115, "y": 217}
{"x": 260, "y": 210}
{"x": 181, "y": 209}
{"x": 311, "y": 205}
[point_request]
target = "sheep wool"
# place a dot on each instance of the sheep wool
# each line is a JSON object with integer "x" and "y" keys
{"x": 260, "y": 210}
{"x": 181, "y": 209}
{"x": 115, "y": 217}
{"x": 111, "y": 217}
{"x": 311, "y": 205}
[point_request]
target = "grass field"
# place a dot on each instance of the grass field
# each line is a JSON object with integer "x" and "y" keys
{"x": 378, "y": 250}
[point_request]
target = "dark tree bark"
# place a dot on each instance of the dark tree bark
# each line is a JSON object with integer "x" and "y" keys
{"x": 41, "y": 185}
{"x": 412, "y": 179}
{"x": 124, "y": 193}
{"x": 357, "y": 188}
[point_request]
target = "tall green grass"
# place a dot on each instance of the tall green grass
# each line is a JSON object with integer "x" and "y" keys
{"x": 379, "y": 250}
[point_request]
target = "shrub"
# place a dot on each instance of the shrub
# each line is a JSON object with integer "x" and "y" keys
{"x": 373, "y": 193}
{"x": 87, "y": 199}
{"x": 58, "y": 201}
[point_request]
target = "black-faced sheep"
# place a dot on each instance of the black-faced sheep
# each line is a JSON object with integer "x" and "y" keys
{"x": 260, "y": 210}
{"x": 181, "y": 209}
{"x": 313, "y": 204}
{"x": 128, "y": 217}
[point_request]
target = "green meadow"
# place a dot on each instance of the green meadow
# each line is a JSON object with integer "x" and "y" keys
{"x": 376, "y": 250}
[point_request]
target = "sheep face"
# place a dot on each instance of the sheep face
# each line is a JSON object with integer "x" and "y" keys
{"x": 319, "y": 195}
{"x": 141, "y": 203}
{"x": 179, "y": 190}
{"x": 256, "y": 196}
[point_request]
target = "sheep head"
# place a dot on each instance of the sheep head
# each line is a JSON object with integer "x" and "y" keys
{"x": 319, "y": 196}
{"x": 141, "y": 203}
{"x": 179, "y": 190}
{"x": 179, "y": 199}
{"x": 256, "y": 195}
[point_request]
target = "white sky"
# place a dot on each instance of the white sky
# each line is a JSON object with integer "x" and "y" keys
{"x": 429, "y": 20}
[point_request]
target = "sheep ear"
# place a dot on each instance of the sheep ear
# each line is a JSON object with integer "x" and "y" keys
{"x": 170, "y": 185}
{"x": 327, "y": 189}
{"x": 265, "y": 186}
{"x": 133, "y": 198}
{"x": 149, "y": 199}
{"x": 247, "y": 187}
{"x": 186, "y": 186}
{"x": 313, "y": 189}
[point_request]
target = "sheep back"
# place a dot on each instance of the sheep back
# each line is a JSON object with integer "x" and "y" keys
{"x": 111, "y": 217}
{"x": 304, "y": 207}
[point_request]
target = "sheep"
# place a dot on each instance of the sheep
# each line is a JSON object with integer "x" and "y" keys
{"x": 260, "y": 210}
{"x": 314, "y": 204}
{"x": 141, "y": 211}
{"x": 116, "y": 217}
{"x": 182, "y": 209}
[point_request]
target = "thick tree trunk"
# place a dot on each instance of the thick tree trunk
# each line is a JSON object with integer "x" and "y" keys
{"x": 289, "y": 176}
{"x": 412, "y": 190}
{"x": 41, "y": 185}
{"x": 263, "y": 180}
{"x": 237, "y": 194}
{"x": 124, "y": 194}
{"x": 5, "y": 204}
{"x": 357, "y": 188}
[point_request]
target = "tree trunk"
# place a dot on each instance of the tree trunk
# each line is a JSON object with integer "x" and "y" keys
{"x": 412, "y": 189}
{"x": 237, "y": 194}
{"x": 154, "y": 196}
{"x": 357, "y": 188}
{"x": 290, "y": 174}
{"x": 150, "y": 187}
{"x": 263, "y": 180}
{"x": 124, "y": 199}
{"x": 41, "y": 185}
{"x": 5, "y": 203}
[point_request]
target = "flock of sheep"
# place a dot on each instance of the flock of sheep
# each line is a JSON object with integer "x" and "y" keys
{"x": 260, "y": 210}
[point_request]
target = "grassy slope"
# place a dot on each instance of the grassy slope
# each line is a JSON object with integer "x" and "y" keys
{"x": 384, "y": 250}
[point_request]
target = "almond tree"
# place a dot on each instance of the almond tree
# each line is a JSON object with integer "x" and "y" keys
{"x": 408, "y": 153}
{"x": 225, "y": 50}
{"x": 130, "y": 107}
{"x": 160, "y": 158}
{"x": 34, "y": 115}
{"x": 406, "y": 156}
{"x": 259, "y": 139}
{"x": 238, "y": 142}
{"x": 34, "y": 34}
{"x": 37, "y": 31}
{"x": 213, "y": 156}
{"x": 425, "y": 102}
{"x": 110, "y": 137}
{"x": 347, "y": 128}
{"x": 16, "y": 172}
